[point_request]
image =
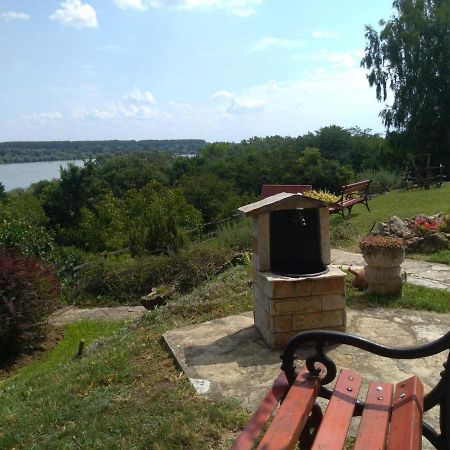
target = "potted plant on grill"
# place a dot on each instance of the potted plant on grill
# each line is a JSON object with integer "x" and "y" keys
{"x": 384, "y": 256}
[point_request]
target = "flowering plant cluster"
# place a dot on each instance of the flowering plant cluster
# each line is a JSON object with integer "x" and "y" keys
{"x": 375, "y": 241}
{"x": 323, "y": 195}
{"x": 423, "y": 224}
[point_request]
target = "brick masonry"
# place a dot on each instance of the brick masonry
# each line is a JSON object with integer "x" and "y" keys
{"x": 285, "y": 306}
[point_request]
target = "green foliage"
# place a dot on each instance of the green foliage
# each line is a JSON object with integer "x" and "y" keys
{"x": 342, "y": 232}
{"x": 208, "y": 193}
{"x": 235, "y": 235}
{"x": 32, "y": 240}
{"x": 410, "y": 56}
{"x": 383, "y": 180}
{"x": 125, "y": 279}
{"x": 29, "y": 291}
{"x": 150, "y": 219}
{"x": 64, "y": 199}
{"x": 156, "y": 216}
{"x": 313, "y": 168}
{"x": 442, "y": 257}
{"x": 126, "y": 393}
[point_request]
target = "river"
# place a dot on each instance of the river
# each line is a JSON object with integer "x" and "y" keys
{"x": 23, "y": 174}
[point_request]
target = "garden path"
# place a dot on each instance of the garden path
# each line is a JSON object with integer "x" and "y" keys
{"x": 423, "y": 273}
{"x": 71, "y": 314}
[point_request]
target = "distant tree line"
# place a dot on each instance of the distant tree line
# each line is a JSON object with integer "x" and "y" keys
{"x": 17, "y": 152}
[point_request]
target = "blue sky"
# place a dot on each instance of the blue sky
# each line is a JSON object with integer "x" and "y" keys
{"x": 168, "y": 69}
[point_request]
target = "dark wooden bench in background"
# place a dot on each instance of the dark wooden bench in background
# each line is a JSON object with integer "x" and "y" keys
{"x": 351, "y": 194}
{"x": 391, "y": 416}
{"x": 420, "y": 173}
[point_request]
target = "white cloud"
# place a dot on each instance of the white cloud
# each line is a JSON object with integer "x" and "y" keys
{"x": 240, "y": 8}
{"x": 269, "y": 41}
{"x": 320, "y": 34}
{"x": 136, "y": 105}
{"x": 42, "y": 118}
{"x": 235, "y": 104}
{"x": 136, "y": 95}
{"x": 131, "y": 4}
{"x": 12, "y": 15}
{"x": 75, "y": 14}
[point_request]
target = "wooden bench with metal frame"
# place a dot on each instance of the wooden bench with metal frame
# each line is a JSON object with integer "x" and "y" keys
{"x": 351, "y": 194}
{"x": 391, "y": 416}
{"x": 420, "y": 173}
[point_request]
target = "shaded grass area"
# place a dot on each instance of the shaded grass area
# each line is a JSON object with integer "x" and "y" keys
{"x": 126, "y": 393}
{"x": 412, "y": 297}
{"x": 402, "y": 203}
{"x": 442, "y": 257}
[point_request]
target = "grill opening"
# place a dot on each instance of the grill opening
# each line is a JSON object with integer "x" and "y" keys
{"x": 295, "y": 245}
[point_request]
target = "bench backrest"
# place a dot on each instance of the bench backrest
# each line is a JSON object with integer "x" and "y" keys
{"x": 273, "y": 189}
{"x": 360, "y": 186}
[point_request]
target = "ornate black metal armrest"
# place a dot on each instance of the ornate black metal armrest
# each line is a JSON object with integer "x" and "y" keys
{"x": 440, "y": 394}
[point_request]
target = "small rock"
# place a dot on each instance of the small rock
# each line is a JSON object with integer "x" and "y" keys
{"x": 434, "y": 242}
{"x": 397, "y": 226}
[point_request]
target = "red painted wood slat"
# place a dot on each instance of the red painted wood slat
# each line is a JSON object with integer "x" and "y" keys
{"x": 337, "y": 418}
{"x": 406, "y": 420}
{"x": 284, "y": 431}
{"x": 251, "y": 432}
{"x": 374, "y": 426}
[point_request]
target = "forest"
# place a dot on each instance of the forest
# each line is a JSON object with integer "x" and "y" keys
{"x": 17, "y": 152}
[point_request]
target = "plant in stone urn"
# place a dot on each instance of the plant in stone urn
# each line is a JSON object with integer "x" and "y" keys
{"x": 383, "y": 255}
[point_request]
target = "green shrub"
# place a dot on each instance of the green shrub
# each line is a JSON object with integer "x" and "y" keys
{"x": 125, "y": 279}
{"x": 342, "y": 232}
{"x": 382, "y": 180}
{"x": 235, "y": 235}
{"x": 30, "y": 239}
{"x": 29, "y": 291}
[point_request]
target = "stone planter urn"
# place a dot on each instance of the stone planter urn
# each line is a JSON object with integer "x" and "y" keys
{"x": 384, "y": 256}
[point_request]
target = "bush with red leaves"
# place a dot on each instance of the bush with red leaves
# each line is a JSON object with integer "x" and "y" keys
{"x": 29, "y": 292}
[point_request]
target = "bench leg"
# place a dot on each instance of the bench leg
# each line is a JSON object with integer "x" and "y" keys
{"x": 312, "y": 426}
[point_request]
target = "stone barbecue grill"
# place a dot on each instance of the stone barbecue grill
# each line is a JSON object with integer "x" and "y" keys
{"x": 294, "y": 287}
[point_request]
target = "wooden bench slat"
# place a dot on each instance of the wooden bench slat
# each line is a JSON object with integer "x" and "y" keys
{"x": 374, "y": 425}
{"x": 354, "y": 187}
{"x": 284, "y": 431}
{"x": 255, "y": 425}
{"x": 337, "y": 418}
{"x": 406, "y": 420}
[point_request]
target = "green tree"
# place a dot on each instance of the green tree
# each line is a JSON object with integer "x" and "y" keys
{"x": 322, "y": 173}
{"x": 410, "y": 55}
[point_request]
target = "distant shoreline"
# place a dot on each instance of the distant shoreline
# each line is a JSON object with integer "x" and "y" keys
{"x": 48, "y": 151}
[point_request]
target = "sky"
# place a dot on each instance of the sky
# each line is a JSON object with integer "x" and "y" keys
{"x": 219, "y": 70}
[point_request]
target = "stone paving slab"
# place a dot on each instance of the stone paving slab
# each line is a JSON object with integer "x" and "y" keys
{"x": 71, "y": 314}
{"x": 227, "y": 358}
{"x": 423, "y": 273}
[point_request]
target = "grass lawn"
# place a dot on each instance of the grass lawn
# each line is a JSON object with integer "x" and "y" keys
{"x": 128, "y": 393}
{"x": 413, "y": 297}
{"x": 402, "y": 203}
